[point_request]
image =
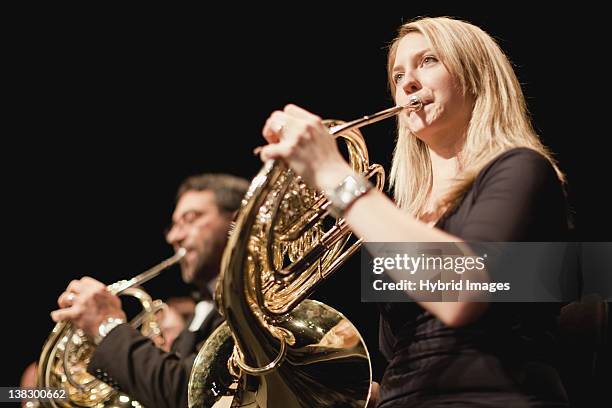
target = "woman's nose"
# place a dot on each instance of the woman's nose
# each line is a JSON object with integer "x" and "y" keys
{"x": 410, "y": 84}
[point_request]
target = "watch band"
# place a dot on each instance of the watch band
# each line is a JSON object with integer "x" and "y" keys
{"x": 346, "y": 193}
{"x": 105, "y": 328}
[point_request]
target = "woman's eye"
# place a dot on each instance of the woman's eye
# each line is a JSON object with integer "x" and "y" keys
{"x": 429, "y": 60}
{"x": 397, "y": 78}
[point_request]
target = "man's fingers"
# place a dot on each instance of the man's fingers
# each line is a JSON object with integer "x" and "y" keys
{"x": 75, "y": 286}
{"x": 66, "y": 299}
{"x": 62, "y": 314}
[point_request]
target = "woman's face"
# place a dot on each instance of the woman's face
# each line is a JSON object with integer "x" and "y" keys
{"x": 417, "y": 70}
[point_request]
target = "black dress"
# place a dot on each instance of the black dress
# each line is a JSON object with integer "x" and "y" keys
{"x": 505, "y": 359}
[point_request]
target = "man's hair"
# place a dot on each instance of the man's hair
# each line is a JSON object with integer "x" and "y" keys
{"x": 228, "y": 189}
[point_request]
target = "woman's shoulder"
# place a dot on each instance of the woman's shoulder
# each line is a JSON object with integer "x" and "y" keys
{"x": 519, "y": 156}
{"x": 521, "y": 164}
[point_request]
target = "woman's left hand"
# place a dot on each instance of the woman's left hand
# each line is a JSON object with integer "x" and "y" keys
{"x": 304, "y": 142}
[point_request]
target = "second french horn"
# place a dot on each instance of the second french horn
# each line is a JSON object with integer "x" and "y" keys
{"x": 66, "y": 353}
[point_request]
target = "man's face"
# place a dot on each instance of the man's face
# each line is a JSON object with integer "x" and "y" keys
{"x": 201, "y": 228}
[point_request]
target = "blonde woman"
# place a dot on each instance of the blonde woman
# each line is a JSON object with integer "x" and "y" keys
{"x": 468, "y": 166}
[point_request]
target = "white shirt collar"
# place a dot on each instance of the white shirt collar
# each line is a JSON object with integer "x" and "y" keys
{"x": 203, "y": 308}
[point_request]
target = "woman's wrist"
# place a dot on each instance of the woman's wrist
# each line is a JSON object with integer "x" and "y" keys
{"x": 342, "y": 186}
{"x": 346, "y": 193}
{"x": 332, "y": 176}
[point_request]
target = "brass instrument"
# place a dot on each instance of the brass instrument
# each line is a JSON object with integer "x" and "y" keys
{"x": 277, "y": 348}
{"x": 67, "y": 351}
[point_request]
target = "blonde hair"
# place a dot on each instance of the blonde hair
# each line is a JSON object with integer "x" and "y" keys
{"x": 499, "y": 120}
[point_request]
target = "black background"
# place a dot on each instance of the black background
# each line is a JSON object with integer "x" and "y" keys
{"x": 110, "y": 110}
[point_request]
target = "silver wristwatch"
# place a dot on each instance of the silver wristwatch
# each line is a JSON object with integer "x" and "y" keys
{"x": 105, "y": 328}
{"x": 345, "y": 194}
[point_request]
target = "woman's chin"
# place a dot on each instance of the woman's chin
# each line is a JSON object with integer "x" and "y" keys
{"x": 422, "y": 134}
{"x": 418, "y": 129}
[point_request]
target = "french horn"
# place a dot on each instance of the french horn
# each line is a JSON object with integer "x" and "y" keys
{"x": 277, "y": 348}
{"x": 67, "y": 351}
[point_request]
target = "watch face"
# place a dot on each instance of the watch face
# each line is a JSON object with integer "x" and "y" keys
{"x": 347, "y": 196}
{"x": 351, "y": 188}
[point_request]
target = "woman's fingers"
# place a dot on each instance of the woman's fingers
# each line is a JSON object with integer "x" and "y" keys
{"x": 300, "y": 113}
{"x": 274, "y": 126}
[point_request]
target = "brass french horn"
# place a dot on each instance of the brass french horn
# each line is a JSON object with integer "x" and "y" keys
{"x": 67, "y": 351}
{"x": 277, "y": 348}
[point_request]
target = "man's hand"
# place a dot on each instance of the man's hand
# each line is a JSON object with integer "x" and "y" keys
{"x": 374, "y": 396}
{"x": 87, "y": 303}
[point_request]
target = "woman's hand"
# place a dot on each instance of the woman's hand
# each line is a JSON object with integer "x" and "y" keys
{"x": 303, "y": 141}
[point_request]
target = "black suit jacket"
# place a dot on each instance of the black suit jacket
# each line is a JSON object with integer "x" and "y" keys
{"x": 131, "y": 363}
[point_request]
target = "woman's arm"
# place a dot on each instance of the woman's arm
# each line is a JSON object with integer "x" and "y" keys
{"x": 506, "y": 204}
{"x": 393, "y": 225}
